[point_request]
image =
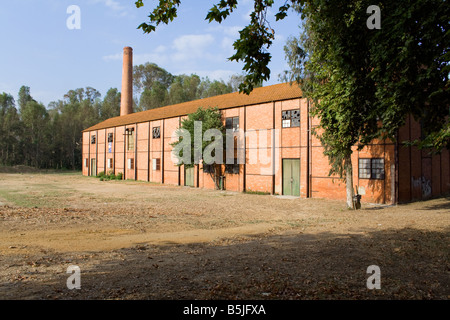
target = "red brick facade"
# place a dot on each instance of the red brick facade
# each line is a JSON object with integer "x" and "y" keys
{"x": 404, "y": 174}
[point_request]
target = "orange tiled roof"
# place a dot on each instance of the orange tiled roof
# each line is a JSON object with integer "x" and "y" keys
{"x": 282, "y": 91}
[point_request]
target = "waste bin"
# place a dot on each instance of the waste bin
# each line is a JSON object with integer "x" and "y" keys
{"x": 357, "y": 201}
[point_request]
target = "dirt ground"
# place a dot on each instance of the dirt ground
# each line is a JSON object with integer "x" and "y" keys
{"x": 136, "y": 240}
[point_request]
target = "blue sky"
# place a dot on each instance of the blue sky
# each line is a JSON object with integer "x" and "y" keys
{"x": 39, "y": 51}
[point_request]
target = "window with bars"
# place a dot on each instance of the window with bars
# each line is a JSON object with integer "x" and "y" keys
{"x": 290, "y": 118}
{"x": 371, "y": 168}
{"x": 156, "y": 133}
{"x": 232, "y": 168}
{"x": 232, "y": 123}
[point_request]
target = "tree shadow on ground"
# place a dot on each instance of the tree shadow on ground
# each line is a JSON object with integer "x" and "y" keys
{"x": 414, "y": 264}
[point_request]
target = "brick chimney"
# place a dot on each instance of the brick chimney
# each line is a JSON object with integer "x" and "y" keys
{"x": 126, "y": 104}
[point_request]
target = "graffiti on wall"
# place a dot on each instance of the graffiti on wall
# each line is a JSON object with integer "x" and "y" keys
{"x": 424, "y": 184}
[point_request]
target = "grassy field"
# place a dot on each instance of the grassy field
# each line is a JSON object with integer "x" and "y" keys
{"x": 137, "y": 240}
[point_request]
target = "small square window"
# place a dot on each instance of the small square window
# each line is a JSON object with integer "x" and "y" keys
{"x": 290, "y": 118}
{"x": 232, "y": 123}
{"x": 156, "y": 133}
{"x": 208, "y": 168}
{"x": 371, "y": 168}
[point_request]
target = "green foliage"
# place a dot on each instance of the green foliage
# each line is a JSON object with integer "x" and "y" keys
{"x": 254, "y": 41}
{"x": 211, "y": 118}
{"x": 155, "y": 87}
{"x": 109, "y": 176}
{"x": 365, "y": 82}
{"x": 362, "y": 82}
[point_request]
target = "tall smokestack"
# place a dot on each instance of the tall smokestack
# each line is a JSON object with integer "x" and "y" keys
{"x": 126, "y": 104}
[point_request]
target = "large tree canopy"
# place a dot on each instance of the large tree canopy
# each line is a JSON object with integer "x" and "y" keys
{"x": 363, "y": 82}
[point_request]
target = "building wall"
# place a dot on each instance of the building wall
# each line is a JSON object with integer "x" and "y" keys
{"x": 421, "y": 175}
{"x": 265, "y": 144}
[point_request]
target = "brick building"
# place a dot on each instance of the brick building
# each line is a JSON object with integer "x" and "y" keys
{"x": 273, "y": 128}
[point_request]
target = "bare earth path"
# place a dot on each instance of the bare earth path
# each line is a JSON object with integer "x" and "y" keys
{"x": 135, "y": 240}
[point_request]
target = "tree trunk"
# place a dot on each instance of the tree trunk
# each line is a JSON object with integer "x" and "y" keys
{"x": 349, "y": 180}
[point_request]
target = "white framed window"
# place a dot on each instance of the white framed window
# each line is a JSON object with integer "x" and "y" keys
{"x": 156, "y": 164}
{"x": 290, "y": 118}
{"x": 371, "y": 168}
{"x": 131, "y": 163}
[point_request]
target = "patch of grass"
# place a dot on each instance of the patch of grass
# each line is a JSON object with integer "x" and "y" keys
{"x": 257, "y": 192}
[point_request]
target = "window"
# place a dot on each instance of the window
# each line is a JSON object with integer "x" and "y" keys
{"x": 130, "y": 163}
{"x": 371, "y": 168}
{"x": 156, "y": 164}
{"x": 232, "y": 168}
{"x": 86, "y": 163}
{"x": 290, "y": 118}
{"x": 110, "y": 137}
{"x": 208, "y": 168}
{"x": 110, "y": 163}
{"x": 232, "y": 123}
{"x": 130, "y": 139}
{"x": 156, "y": 133}
{"x": 93, "y": 139}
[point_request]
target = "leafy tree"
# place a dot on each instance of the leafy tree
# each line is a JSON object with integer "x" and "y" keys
{"x": 35, "y": 138}
{"x": 24, "y": 97}
{"x": 111, "y": 104}
{"x": 184, "y": 88}
{"x": 208, "y": 88}
{"x": 254, "y": 41}
{"x": 364, "y": 82}
{"x": 203, "y": 145}
{"x": 151, "y": 83}
{"x": 155, "y": 97}
{"x": 9, "y": 130}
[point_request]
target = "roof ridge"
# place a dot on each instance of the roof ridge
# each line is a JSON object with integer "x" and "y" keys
{"x": 224, "y": 101}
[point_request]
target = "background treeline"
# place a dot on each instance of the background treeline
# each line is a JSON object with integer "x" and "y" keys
{"x": 50, "y": 137}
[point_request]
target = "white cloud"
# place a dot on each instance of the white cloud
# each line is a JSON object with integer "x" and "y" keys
{"x": 114, "y": 5}
{"x": 193, "y": 43}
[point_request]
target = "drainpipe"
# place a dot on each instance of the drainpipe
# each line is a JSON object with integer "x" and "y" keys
{"x": 308, "y": 132}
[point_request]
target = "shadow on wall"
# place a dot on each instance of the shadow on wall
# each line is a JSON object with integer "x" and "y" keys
{"x": 302, "y": 266}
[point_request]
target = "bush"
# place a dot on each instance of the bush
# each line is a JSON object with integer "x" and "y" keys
{"x": 110, "y": 176}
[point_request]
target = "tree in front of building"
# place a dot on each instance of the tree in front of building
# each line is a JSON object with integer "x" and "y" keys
{"x": 363, "y": 81}
{"x": 201, "y": 141}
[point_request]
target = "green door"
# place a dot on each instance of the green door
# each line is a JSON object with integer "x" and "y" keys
{"x": 189, "y": 176}
{"x": 291, "y": 177}
{"x": 93, "y": 167}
